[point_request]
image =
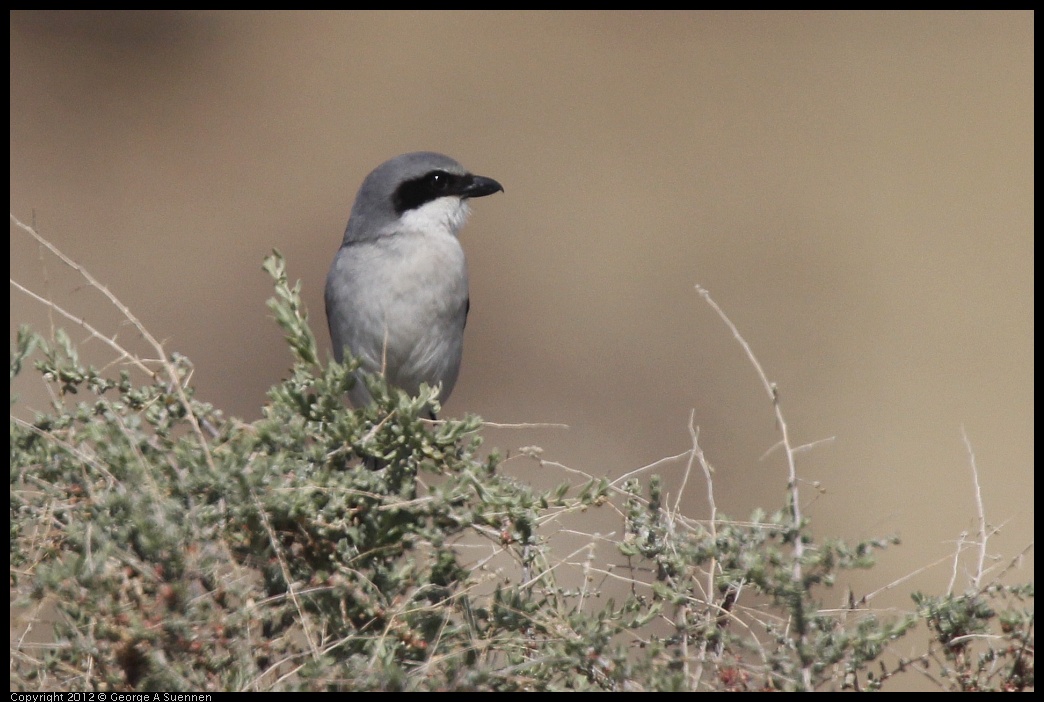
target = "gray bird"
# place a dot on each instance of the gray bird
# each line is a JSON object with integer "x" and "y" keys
{"x": 397, "y": 292}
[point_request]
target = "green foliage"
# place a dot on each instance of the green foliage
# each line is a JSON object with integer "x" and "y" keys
{"x": 757, "y": 556}
{"x": 1004, "y": 663}
{"x": 324, "y": 548}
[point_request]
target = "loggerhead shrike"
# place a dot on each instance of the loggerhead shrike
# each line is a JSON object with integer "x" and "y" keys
{"x": 397, "y": 292}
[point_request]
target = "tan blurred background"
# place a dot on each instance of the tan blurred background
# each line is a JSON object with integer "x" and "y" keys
{"x": 856, "y": 190}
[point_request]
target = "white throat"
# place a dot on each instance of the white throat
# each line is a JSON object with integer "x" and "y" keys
{"x": 446, "y": 213}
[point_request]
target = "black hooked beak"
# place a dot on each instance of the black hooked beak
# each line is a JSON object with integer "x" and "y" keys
{"x": 480, "y": 186}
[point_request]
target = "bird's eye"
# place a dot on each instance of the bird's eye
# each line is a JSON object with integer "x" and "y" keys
{"x": 439, "y": 182}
